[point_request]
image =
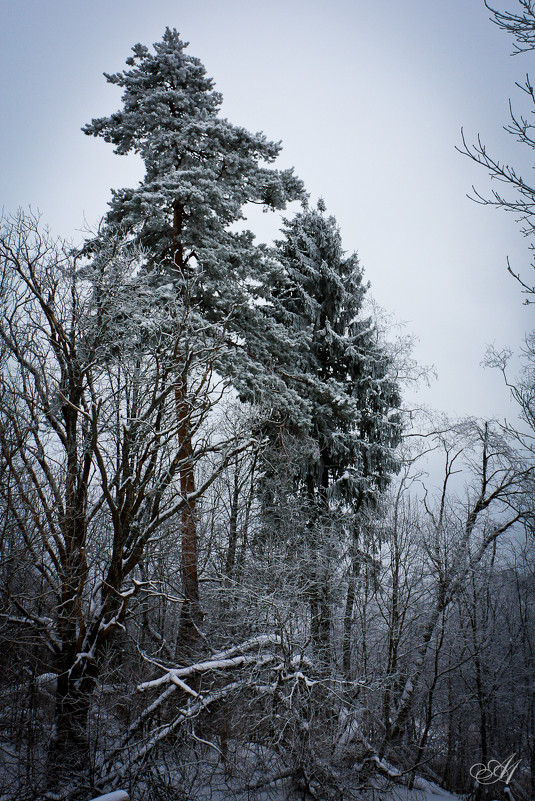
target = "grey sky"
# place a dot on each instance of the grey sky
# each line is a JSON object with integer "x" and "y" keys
{"x": 368, "y": 98}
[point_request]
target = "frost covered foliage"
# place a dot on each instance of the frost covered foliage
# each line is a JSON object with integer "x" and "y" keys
{"x": 343, "y": 459}
{"x": 341, "y": 367}
{"x": 201, "y": 172}
{"x": 197, "y": 163}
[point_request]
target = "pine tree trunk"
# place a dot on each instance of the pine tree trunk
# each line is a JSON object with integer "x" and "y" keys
{"x": 319, "y": 589}
{"x": 347, "y": 641}
{"x": 318, "y": 592}
{"x": 320, "y": 611}
{"x": 191, "y": 613}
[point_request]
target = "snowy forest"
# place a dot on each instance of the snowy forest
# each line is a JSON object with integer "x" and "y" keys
{"x": 226, "y": 571}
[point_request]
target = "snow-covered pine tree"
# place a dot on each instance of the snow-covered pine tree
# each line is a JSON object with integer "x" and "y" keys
{"x": 346, "y": 376}
{"x": 200, "y": 173}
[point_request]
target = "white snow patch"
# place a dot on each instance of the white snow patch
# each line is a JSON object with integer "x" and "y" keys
{"x": 117, "y": 795}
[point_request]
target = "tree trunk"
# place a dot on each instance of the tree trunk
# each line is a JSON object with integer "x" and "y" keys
{"x": 230, "y": 561}
{"x": 320, "y": 611}
{"x": 191, "y": 613}
{"x": 347, "y": 637}
{"x": 319, "y": 589}
{"x": 245, "y": 527}
{"x": 347, "y": 641}
{"x": 68, "y": 753}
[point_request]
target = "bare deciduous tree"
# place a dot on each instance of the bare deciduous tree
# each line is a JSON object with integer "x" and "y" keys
{"x": 91, "y": 443}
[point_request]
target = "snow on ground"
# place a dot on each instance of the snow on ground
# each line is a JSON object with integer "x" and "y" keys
{"x": 423, "y": 790}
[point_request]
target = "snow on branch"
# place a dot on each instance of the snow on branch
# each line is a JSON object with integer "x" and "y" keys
{"x": 247, "y": 654}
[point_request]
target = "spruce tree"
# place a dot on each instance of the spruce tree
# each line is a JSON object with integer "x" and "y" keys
{"x": 201, "y": 171}
{"x": 346, "y": 376}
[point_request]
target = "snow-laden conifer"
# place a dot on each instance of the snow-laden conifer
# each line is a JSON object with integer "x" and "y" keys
{"x": 346, "y": 455}
{"x": 200, "y": 172}
{"x": 342, "y": 367}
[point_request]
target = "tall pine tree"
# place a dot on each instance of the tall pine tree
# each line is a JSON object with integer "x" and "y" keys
{"x": 346, "y": 376}
{"x": 201, "y": 171}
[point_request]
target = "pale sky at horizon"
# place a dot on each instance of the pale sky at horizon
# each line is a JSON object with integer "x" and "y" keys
{"x": 368, "y": 100}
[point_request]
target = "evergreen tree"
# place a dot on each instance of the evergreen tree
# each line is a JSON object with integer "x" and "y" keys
{"x": 200, "y": 173}
{"x": 344, "y": 373}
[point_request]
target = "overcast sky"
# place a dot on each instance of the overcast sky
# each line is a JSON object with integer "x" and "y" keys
{"x": 368, "y": 98}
